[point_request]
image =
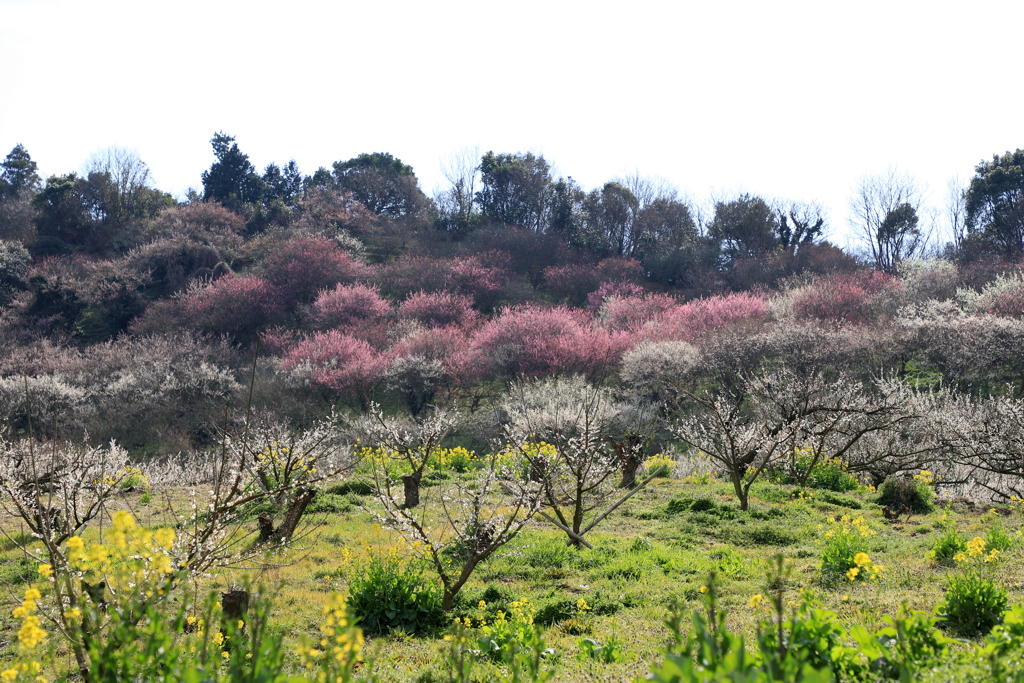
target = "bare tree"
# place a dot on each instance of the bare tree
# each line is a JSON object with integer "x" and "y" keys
{"x": 60, "y": 491}
{"x": 984, "y": 438}
{"x": 956, "y": 210}
{"x": 759, "y": 422}
{"x": 456, "y": 204}
{"x": 459, "y": 523}
{"x": 886, "y": 217}
{"x": 566, "y": 432}
{"x": 411, "y": 442}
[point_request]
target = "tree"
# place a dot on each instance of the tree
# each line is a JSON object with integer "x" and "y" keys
{"x": 800, "y": 225}
{"x": 119, "y": 188}
{"x": 885, "y": 216}
{"x": 564, "y": 431}
{"x": 63, "y": 214}
{"x": 747, "y": 227}
{"x": 19, "y": 182}
{"x": 468, "y": 519}
{"x": 19, "y": 174}
{"x": 456, "y": 206}
{"x": 566, "y": 211}
{"x": 611, "y": 220}
{"x": 231, "y": 179}
{"x": 758, "y": 422}
{"x": 515, "y": 189}
{"x": 995, "y": 203}
{"x": 283, "y": 185}
{"x": 384, "y": 184}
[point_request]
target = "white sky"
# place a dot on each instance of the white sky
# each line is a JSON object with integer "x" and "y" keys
{"x": 794, "y": 100}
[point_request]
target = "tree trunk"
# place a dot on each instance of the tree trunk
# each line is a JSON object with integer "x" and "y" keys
{"x": 411, "y": 482}
{"x": 294, "y": 514}
{"x": 291, "y": 518}
{"x": 630, "y": 466}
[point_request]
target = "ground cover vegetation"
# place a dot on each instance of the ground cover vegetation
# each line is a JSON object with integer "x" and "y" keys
{"x": 328, "y": 428}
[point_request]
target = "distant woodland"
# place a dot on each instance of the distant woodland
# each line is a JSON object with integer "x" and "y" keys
{"x": 126, "y": 314}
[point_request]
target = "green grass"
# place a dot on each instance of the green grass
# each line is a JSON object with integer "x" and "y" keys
{"x": 658, "y": 548}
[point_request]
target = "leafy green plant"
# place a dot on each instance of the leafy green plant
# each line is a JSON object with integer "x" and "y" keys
{"x": 908, "y": 644}
{"x": 914, "y": 494}
{"x": 844, "y": 544}
{"x": 997, "y": 536}
{"x": 609, "y": 652}
{"x": 823, "y": 472}
{"x": 972, "y": 604}
{"x": 389, "y": 595}
{"x": 948, "y": 545}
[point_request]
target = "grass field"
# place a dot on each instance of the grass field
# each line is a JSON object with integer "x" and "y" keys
{"x": 656, "y": 551}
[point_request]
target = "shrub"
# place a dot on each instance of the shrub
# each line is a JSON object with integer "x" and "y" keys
{"x": 844, "y": 549}
{"x": 848, "y": 297}
{"x": 948, "y": 545}
{"x": 997, "y": 536}
{"x": 238, "y": 306}
{"x": 972, "y": 604}
{"x": 388, "y": 596}
{"x": 827, "y": 473}
{"x": 632, "y": 312}
{"x": 914, "y": 494}
{"x": 659, "y": 463}
{"x": 356, "y": 486}
{"x": 482, "y": 282}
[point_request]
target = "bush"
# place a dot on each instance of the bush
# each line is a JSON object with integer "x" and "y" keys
{"x": 388, "y": 596}
{"x": 903, "y": 492}
{"x": 358, "y": 487}
{"x": 972, "y": 604}
{"x": 827, "y": 473}
{"x": 844, "y": 549}
{"x": 948, "y": 545}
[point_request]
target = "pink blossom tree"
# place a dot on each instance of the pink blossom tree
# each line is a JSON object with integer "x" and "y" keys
{"x": 847, "y": 297}
{"x": 438, "y": 309}
{"x": 238, "y": 306}
{"x": 528, "y": 341}
{"x": 348, "y": 366}
{"x": 348, "y": 305}
{"x": 305, "y": 265}
{"x": 632, "y": 312}
{"x": 473, "y": 277}
{"x": 695, "y": 318}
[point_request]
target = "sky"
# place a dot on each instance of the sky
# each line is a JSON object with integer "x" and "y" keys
{"x": 788, "y": 100}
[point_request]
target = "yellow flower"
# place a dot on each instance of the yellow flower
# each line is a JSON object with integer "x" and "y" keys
{"x": 582, "y": 604}
{"x": 482, "y": 604}
{"x": 852, "y": 573}
{"x": 32, "y": 594}
{"x": 46, "y": 570}
{"x": 703, "y": 589}
{"x": 861, "y": 559}
{"x": 755, "y": 600}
